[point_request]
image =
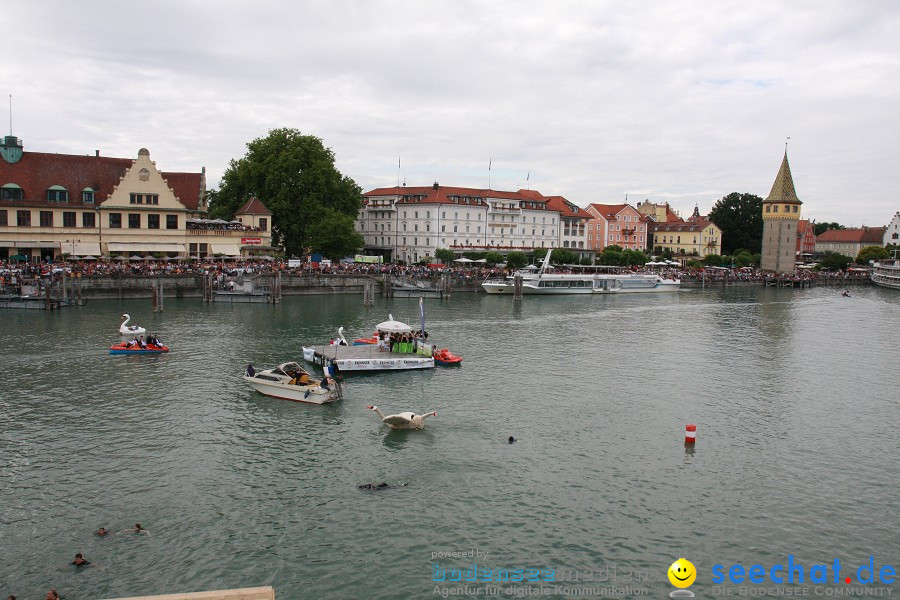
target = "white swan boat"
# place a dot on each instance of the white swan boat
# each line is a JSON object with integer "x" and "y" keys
{"x": 126, "y": 329}
{"x": 544, "y": 281}
{"x": 277, "y": 384}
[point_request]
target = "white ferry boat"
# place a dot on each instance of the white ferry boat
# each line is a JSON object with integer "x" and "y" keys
{"x": 886, "y": 273}
{"x": 544, "y": 281}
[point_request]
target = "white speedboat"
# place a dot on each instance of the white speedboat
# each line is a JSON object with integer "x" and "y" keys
{"x": 886, "y": 273}
{"x": 370, "y": 356}
{"x": 290, "y": 381}
{"x": 545, "y": 281}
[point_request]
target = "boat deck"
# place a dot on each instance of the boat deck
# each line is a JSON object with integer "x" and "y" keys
{"x": 365, "y": 358}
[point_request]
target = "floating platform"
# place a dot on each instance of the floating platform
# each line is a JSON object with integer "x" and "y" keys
{"x": 32, "y": 302}
{"x": 364, "y": 358}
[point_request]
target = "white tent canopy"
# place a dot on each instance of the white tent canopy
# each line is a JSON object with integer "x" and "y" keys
{"x": 392, "y": 326}
{"x": 464, "y": 260}
{"x": 481, "y": 260}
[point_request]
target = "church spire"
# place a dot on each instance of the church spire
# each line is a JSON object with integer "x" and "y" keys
{"x": 783, "y": 188}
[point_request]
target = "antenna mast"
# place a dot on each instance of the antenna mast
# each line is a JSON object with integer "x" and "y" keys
{"x": 10, "y": 114}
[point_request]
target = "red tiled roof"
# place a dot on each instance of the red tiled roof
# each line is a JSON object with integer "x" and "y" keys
{"x": 36, "y": 172}
{"x": 854, "y": 236}
{"x": 254, "y": 206}
{"x": 442, "y": 195}
{"x": 565, "y": 208}
{"x": 696, "y": 225}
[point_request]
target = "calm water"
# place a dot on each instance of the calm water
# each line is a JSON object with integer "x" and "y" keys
{"x": 794, "y": 394}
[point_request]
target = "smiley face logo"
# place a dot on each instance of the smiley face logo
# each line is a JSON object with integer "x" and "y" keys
{"x": 682, "y": 573}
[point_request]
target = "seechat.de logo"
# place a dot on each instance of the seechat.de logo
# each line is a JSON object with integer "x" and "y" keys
{"x": 792, "y": 572}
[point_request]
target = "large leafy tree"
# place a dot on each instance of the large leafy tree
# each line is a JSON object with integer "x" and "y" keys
{"x": 739, "y": 216}
{"x": 334, "y": 235}
{"x": 516, "y": 260}
{"x": 294, "y": 175}
{"x": 820, "y": 228}
{"x": 871, "y": 253}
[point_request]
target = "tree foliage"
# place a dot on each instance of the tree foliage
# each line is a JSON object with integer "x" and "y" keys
{"x": 334, "y": 236}
{"x": 295, "y": 177}
{"x": 561, "y": 256}
{"x": 712, "y": 260}
{"x": 834, "y": 261}
{"x": 871, "y": 253}
{"x": 539, "y": 254}
{"x": 820, "y": 228}
{"x": 739, "y": 216}
{"x": 516, "y": 260}
{"x": 493, "y": 258}
{"x": 445, "y": 255}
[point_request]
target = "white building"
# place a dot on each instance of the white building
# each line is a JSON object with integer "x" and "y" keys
{"x": 411, "y": 223}
{"x": 892, "y": 233}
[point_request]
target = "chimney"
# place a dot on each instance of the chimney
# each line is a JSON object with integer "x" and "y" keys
{"x": 435, "y": 186}
{"x": 97, "y": 153}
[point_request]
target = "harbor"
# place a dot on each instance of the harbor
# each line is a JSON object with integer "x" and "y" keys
{"x": 235, "y": 486}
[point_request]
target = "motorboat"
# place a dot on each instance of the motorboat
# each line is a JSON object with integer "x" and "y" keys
{"x": 446, "y": 358}
{"x": 367, "y": 355}
{"x": 543, "y": 281}
{"x": 290, "y": 381}
{"x": 130, "y": 348}
{"x": 126, "y": 329}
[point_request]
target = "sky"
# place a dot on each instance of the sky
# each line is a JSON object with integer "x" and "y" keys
{"x": 678, "y": 101}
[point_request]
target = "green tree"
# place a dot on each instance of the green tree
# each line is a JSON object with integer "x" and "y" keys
{"x": 493, "y": 258}
{"x": 516, "y": 260}
{"x": 561, "y": 256}
{"x": 295, "y": 177}
{"x": 586, "y": 260}
{"x": 694, "y": 264}
{"x": 871, "y": 253}
{"x": 834, "y": 261}
{"x": 445, "y": 255}
{"x": 334, "y": 236}
{"x": 540, "y": 253}
{"x": 739, "y": 216}
{"x": 634, "y": 257}
{"x": 610, "y": 256}
{"x": 820, "y": 228}
{"x": 712, "y": 260}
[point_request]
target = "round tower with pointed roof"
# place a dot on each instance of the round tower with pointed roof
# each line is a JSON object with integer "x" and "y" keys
{"x": 781, "y": 212}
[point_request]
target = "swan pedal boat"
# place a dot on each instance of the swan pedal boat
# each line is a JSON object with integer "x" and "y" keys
{"x": 277, "y": 383}
{"x": 126, "y": 329}
{"x": 124, "y": 348}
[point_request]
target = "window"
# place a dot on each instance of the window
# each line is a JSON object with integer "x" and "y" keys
{"x": 57, "y": 194}
{"x": 416, "y": 214}
{"x": 115, "y": 220}
{"x": 404, "y": 214}
{"x": 68, "y": 219}
{"x": 794, "y": 209}
{"x": 88, "y": 219}
{"x": 11, "y": 193}
{"x": 4, "y": 220}
{"x": 264, "y": 224}
{"x": 443, "y": 214}
{"x": 404, "y": 227}
{"x": 768, "y": 208}
{"x": 443, "y": 228}
{"x": 428, "y": 214}
{"x": 23, "y": 218}
{"x": 171, "y": 221}
{"x": 144, "y": 199}
{"x": 152, "y": 221}
{"x": 775, "y": 208}
{"x": 455, "y": 229}
{"x": 427, "y": 226}
{"x": 87, "y": 196}
{"x": 134, "y": 221}
{"x": 46, "y": 218}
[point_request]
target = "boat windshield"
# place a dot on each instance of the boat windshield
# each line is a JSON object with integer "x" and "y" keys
{"x": 291, "y": 366}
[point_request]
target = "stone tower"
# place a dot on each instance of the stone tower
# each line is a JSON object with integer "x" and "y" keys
{"x": 781, "y": 211}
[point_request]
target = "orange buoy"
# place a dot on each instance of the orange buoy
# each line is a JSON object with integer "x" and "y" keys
{"x": 690, "y": 434}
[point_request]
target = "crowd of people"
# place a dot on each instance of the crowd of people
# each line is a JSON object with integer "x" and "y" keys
{"x": 151, "y": 342}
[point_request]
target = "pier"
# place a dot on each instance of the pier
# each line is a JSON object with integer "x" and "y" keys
{"x": 257, "y": 593}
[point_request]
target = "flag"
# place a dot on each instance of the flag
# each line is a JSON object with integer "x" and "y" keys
{"x": 398, "y": 162}
{"x": 528, "y": 177}
{"x": 422, "y": 313}
{"x": 489, "y": 163}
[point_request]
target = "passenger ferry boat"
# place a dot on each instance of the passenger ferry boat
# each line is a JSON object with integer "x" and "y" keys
{"x": 886, "y": 273}
{"x": 543, "y": 281}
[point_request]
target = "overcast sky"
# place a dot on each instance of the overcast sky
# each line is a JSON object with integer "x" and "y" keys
{"x": 679, "y": 102}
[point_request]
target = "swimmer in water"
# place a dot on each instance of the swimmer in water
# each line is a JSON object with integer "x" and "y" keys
{"x": 137, "y": 529}
{"x": 102, "y": 531}
{"x": 52, "y": 595}
{"x": 79, "y": 561}
{"x": 512, "y": 440}
{"x": 378, "y": 486}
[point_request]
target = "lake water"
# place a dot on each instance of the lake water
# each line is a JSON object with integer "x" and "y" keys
{"x": 794, "y": 394}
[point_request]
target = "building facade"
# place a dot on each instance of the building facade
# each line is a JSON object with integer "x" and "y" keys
{"x": 781, "y": 211}
{"x": 806, "y": 239}
{"x": 892, "y": 231}
{"x": 616, "y": 224}
{"x": 698, "y": 236}
{"x": 411, "y": 223}
{"x": 849, "y": 241}
{"x": 95, "y": 206}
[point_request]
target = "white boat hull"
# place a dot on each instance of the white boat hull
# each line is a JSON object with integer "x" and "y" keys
{"x": 295, "y": 393}
{"x": 887, "y": 274}
{"x": 367, "y": 359}
{"x": 619, "y": 285}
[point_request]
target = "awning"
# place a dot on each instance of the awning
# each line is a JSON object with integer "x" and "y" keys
{"x": 80, "y": 248}
{"x": 7, "y": 244}
{"x": 225, "y": 249}
{"x": 120, "y": 247}
{"x": 37, "y": 244}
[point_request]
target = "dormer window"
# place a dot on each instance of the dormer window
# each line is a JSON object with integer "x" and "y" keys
{"x": 11, "y": 191}
{"x": 87, "y": 195}
{"x": 58, "y": 194}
